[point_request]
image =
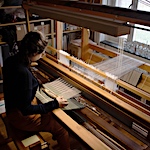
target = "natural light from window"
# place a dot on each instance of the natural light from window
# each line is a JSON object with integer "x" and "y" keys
{"x": 124, "y": 4}
{"x": 142, "y": 35}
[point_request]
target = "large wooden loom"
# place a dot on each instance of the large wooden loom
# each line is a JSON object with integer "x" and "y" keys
{"x": 138, "y": 113}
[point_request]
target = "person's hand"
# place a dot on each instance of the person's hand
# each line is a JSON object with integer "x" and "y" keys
{"x": 62, "y": 102}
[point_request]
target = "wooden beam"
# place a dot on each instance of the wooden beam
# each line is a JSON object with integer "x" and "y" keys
{"x": 144, "y": 94}
{"x": 144, "y": 83}
{"x": 145, "y": 67}
{"x": 90, "y": 139}
{"x": 127, "y": 142}
{"x": 109, "y": 12}
{"x": 80, "y": 19}
{"x": 59, "y": 34}
{"x": 27, "y": 20}
{"x": 103, "y": 50}
{"x": 52, "y": 32}
{"x": 84, "y": 134}
{"x": 10, "y": 7}
{"x": 99, "y": 72}
{"x": 133, "y": 89}
{"x": 92, "y": 58}
{"x": 84, "y": 42}
{"x": 99, "y": 90}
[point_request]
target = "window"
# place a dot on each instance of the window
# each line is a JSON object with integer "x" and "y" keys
{"x": 123, "y": 3}
{"x": 139, "y": 35}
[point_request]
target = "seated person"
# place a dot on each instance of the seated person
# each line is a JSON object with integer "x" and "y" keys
{"x": 20, "y": 86}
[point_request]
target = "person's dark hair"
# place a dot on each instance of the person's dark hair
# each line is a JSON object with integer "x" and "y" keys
{"x": 32, "y": 43}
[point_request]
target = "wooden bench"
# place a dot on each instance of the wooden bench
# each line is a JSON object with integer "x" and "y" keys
{"x": 17, "y": 136}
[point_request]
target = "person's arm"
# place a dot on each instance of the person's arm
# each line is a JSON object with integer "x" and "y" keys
{"x": 27, "y": 86}
{"x": 27, "y": 93}
{"x": 58, "y": 102}
{"x": 28, "y": 108}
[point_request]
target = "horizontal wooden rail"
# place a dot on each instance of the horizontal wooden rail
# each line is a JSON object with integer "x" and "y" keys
{"x": 133, "y": 89}
{"x": 86, "y": 66}
{"x": 145, "y": 67}
{"x": 22, "y": 22}
{"x": 83, "y": 133}
{"x": 108, "y": 12}
{"x": 100, "y": 91}
{"x": 121, "y": 83}
{"x": 10, "y": 7}
{"x": 2, "y": 42}
{"x": 102, "y": 50}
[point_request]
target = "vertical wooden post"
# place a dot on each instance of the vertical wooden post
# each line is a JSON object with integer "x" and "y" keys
{"x": 59, "y": 35}
{"x": 84, "y": 42}
{"x": 27, "y": 20}
{"x": 100, "y": 1}
{"x": 52, "y": 33}
{"x": 1, "y": 75}
{"x": 85, "y": 38}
